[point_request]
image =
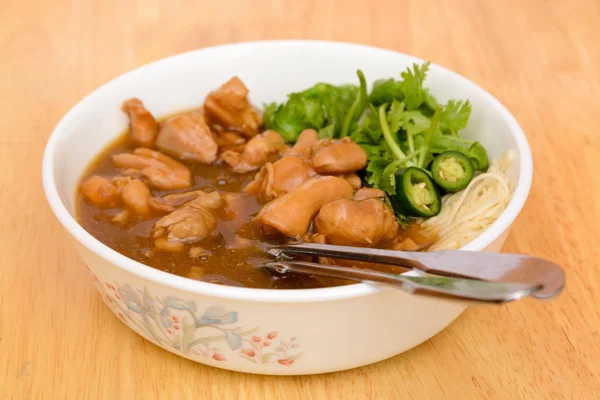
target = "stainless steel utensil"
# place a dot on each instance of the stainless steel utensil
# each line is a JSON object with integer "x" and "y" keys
{"x": 533, "y": 276}
{"x": 455, "y": 288}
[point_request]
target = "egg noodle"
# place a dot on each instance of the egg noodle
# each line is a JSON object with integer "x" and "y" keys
{"x": 466, "y": 214}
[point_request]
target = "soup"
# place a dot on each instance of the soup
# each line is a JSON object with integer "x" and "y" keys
{"x": 200, "y": 193}
{"x": 229, "y": 256}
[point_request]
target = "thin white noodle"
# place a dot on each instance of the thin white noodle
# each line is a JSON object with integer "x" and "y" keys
{"x": 466, "y": 214}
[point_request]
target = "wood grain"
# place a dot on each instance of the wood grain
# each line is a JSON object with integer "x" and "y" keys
{"x": 540, "y": 58}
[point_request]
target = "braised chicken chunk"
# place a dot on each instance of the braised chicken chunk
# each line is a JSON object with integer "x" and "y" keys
{"x": 304, "y": 144}
{"x": 162, "y": 172}
{"x": 187, "y": 137}
{"x": 229, "y": 140}
{"x": 366, "y": 223}
{"x": 258, "y": 151}
{"x": 135, "y": 197}
{"x": 338, "y": 156}
{"x": 191, "y": 223}
{"x": 100, "y": 191}
{"x": 405, "y": 244}
{"x": 278, "y": 178}
{"x": 121, "y": 181}
{"x": 144, "y": 127}
{"x": 292, "y": 213}
{"x": 170, "y": 202}
{"x": 229, "y": 108}
{"x": 353, "y": 180}
{"x": 369, "y": 193}
{"x": 235, "y": 207}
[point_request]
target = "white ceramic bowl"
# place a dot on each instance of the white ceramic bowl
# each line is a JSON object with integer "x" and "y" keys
{"x": 281, "y": 332}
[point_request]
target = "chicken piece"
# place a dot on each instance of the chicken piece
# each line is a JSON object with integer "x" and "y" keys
{"x": 405, "y": 244}
{"x": 162, "y": 171}
{"x": 229, "y": 138}
{"x": 366, "y": 223}
{"x": 304, "y": 144}
{"x": 170, "y": 202}
{"x": 135, "y": 196}
{"x": 278, "y": 178}
{"x": 121, "y": 181}
{"x": 234, "y": 148}
{"x": 320, "y": 238}
{"x": 228, "y": 106}
{"x": 341, "y": 156}
{"x": 239, "y": 243}
{"x": 187, "y": 137}
{"x": 292, "y": 213}
{"x": 369, "y": 193}
{"x": 353, "y": 180}
{"x": 258, "y": 151}
{"x": 211, "y": 201}
{"x": 235, "y": 207}
{"x": 144, "y": 127}
{"x": 230, "y": 141}
{"x": 317, "y": 238}
{"x": 122, "y": 217}
{"x": 191, "y": 223}
{"x": 100, "y": 192}
{"x": 164, "y": 244}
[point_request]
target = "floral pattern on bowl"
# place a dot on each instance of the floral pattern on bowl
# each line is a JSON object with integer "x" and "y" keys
{"x": 176, "y": 325}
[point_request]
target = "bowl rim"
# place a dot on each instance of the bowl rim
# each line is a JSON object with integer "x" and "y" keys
{"x": 69, "y": 222}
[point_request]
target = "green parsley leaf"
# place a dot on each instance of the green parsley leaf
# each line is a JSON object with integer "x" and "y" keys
{"x": 327, "y": 132}
{"x": 386, "y": 91}
{"x": 358, "y": 107}
{"x": 395, "y": 116}
{"x": 479, "y": 156}
{"x": 321, "y": 106}
{"x": 455, "y": 116}
{"x": 375, "y": 170}
{"x": 430, "y": 101}
{"x": 412, "y": 85}
{"x": 415, "y": 123}
{"x": 269, "y": 115}
{"x": 387, "y": 182}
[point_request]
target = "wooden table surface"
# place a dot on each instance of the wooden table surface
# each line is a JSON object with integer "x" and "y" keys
{"x": 540, "y": 58}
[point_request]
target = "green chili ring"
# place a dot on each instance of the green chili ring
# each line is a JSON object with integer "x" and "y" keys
{"x": 416, "y": 194}
{"x": 452, "y": 171}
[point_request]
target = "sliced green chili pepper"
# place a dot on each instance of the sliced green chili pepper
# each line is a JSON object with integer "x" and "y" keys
{"x": 452, "y": 171}
{"x": 416, "y": 194}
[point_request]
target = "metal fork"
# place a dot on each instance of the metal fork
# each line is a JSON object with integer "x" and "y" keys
{"x": 470, "y": 275}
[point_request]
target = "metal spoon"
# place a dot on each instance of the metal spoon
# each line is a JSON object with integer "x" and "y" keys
{"x": 546, "y": 277}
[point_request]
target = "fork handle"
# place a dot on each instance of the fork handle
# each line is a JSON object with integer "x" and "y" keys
{"x": 495, "y": 267}
{"x": 455, "y": 288}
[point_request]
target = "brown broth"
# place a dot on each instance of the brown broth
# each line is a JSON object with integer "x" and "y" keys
{"x": 227, "y": 263}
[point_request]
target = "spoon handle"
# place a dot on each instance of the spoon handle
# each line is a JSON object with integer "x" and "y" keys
{"x": 487, "y": 266}
{"x": 455, "y": 288}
